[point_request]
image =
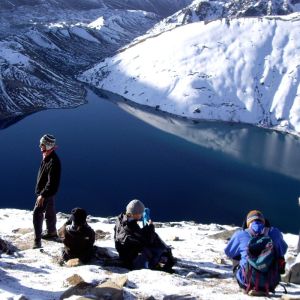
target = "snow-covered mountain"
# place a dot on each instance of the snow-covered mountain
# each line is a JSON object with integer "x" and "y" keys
{"x": 239, "y": 70}
{"x": 210, "y": 10}
{"x": 43, "y": 44}
{"x": 202, "y": 271}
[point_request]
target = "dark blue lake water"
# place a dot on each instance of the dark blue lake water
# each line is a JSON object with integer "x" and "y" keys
{"x": 114, "y": 152}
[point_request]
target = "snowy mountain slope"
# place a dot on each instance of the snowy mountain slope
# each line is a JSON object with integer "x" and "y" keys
{"x": 202, "y": 270}
{"x": 41, "y": 52}
{"x": 37, "y": 67}
{"x": 210, "y": 10}
{"x": 245, "y": 70}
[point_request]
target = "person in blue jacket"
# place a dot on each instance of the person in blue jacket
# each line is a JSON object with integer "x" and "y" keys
{"x": 236, "y": 249}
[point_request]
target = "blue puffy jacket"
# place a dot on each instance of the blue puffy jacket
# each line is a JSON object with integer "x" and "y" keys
{"x": 238, "y": 244}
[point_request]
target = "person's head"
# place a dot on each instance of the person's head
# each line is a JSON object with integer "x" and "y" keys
{"x": 47, "y": 142}
{"x": 255, "y": 221}
{"x": 135, "y": 209}
{"x": 255, "y": 215}
{"x": 78, "y": 216}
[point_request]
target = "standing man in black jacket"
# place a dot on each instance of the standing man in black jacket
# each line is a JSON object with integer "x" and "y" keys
{"x": 47, "y": 184}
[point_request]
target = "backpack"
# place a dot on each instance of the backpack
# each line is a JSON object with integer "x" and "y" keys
{"x": 163, "y": 258}
{"x": 262, "y": 271}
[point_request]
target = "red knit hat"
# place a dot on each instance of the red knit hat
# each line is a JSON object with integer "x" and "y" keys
{"x": 255, "y": 215}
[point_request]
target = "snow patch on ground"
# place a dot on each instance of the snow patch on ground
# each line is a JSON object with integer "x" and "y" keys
{"x": 82, "y": 33}
{"x": 41, "y": 40}
{"x": 13, "y": 55}
{"x": 97, "y": 24}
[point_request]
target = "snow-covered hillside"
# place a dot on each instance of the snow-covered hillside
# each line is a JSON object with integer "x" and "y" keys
{"x": 44, "y": 43}
{"x": 240, "y": 70}
{"x": 201, "y": 272}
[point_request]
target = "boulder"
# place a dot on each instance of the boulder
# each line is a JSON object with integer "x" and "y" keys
{"x": 7, "y": 247}
{"x": 74, "y": 262}
{"x": 223, "y": 235}
{"x": 22, "y": 230}
{"x": 100, "y": 234}
{"x": 290, "y": 297}
{"x": 293, "y": 274}
{"x": 74, "y": 279}
{"x": 79, "y": 289}
{"x": 111, "y": 289}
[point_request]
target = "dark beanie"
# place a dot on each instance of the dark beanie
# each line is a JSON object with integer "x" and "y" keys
{"x": 78, "y": 216}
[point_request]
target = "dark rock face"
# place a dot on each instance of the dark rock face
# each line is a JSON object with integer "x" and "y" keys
{"x": 163, "y": 8}
{"x": 209, "y": 10}
{"x": 7, "y": 247}
{"x": 243, "y": 8}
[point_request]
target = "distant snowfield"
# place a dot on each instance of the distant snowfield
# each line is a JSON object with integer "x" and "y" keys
{"x": 203, "y": 272}
{"x": 239, "y": 70}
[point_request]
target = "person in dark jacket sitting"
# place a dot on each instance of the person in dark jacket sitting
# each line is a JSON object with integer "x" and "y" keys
{"x": 78, "y": 237}
{"x": 140, "y": 248}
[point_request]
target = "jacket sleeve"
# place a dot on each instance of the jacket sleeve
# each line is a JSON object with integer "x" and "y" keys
{"x": 232, "y": 249}
{"x": 139, "y": 237}
{"x": 52, "y": 184}
{"x": 91, "y": 236}
{"x": 62, "y": 231}
{"x": 148, "y": 234}
{"x": 279, "y": 242}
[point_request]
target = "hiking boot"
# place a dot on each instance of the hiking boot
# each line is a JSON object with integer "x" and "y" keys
{"x": 37, "y": 245}
{"x": 49, "y": 235}
{"x": 257, "y": 293}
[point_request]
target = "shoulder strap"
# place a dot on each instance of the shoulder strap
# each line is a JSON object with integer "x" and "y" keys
{"x": 266, "y": 231}
{"x": 251, "y": 233}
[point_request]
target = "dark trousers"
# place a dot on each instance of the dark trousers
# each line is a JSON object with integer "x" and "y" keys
{"x": 148, "y": 258}
{"x": 48, "y": 208}
{"x": 298, "y": 248}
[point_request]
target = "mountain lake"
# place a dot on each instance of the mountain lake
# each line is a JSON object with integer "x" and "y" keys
{"x": 113, "y": 151}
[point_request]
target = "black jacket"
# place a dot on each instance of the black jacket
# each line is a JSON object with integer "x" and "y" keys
{"x": 130, "y": 239}
{"x": 78, "y": 241}
{"x": 48, "y": 177}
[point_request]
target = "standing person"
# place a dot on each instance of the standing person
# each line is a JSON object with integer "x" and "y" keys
{"x": 47, "y": 184}
{"x": 258, "y": 242}
{"x": 140, "y": 248}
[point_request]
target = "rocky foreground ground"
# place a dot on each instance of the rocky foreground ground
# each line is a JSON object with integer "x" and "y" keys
{"x": 201, "y": 272}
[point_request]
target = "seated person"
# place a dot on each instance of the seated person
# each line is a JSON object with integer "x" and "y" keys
{"x": 140, "y": 248}
{"x": 78, "y": 237}
{"x": 247, "y": 245}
